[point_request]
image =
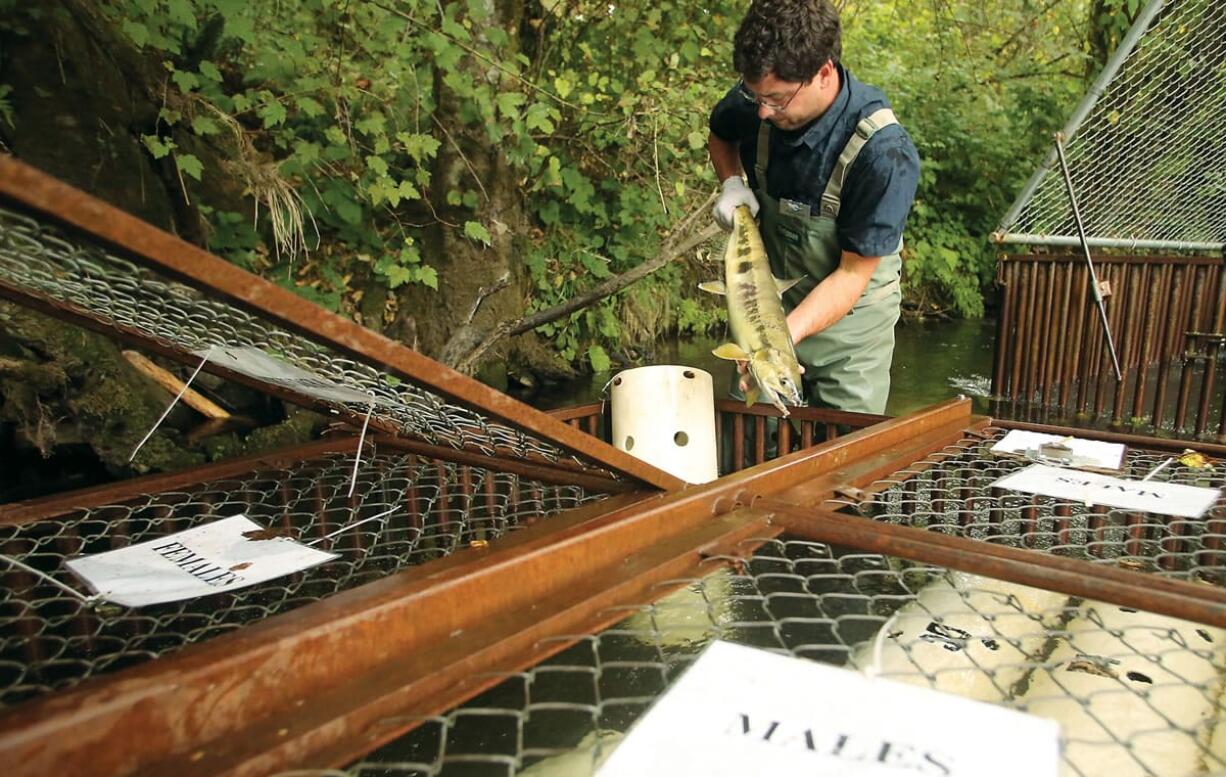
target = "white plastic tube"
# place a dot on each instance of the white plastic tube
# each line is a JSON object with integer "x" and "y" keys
{"x": 665, "y": 415}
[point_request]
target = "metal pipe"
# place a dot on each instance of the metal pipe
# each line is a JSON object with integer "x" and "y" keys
{"x": 1106, "y": 242}
{"x": 1085, "y": 247}
{"x": 1152, "y": 593}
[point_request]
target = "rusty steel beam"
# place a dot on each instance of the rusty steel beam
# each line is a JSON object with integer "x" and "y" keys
{"x": 1216, "y": 450}
{"x": 57, "y": 505}
{"x": 35, "y": 191}
{"x": 1189, "y": 601}
{"x": 31, "y": 510}
{"x": 320, "y": 682}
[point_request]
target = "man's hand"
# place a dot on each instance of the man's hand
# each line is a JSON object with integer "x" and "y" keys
{"x": 735, "y": 193}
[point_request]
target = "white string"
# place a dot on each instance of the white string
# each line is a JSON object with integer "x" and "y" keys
{"x": 52, "y": 580}
{"x": 1157, "y": 469}
{"x": 874, "y": 669}
{"x": 172, "y": 404}
{"x": 357, "y": 459}
{"x": 347, "y": 527}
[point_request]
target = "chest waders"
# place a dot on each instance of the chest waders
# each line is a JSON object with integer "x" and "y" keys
{"x": 847, "y": 366}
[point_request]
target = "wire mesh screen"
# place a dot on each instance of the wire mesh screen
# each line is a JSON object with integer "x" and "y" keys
{"x": 951, "y": 492}
{"x": 1148, "y": 162}
{"x": 1135, "y": 693}
{"x": 41, "y": 259}
{"x": 425, "y": 509}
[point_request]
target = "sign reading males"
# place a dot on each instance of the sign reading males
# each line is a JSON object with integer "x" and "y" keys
{"x": 216, "y": 557}
{"x": 741, "y": 710}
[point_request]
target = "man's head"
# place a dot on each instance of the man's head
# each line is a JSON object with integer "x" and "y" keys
{"x": 787, "y": 52}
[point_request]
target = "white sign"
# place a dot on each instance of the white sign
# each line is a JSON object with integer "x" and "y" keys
{"x": 741, "y": 711}
{"x": 1147, "y": 496}
{"x": 219, "y": 556}
{"x": 254, "y": 363}
{"x": 1084, "y": 453}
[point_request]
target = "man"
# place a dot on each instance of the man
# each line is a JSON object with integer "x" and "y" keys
{"x": 831, "y": 176}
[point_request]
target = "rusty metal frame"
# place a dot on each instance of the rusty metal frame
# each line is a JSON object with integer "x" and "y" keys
{"x": 322, "y": 685}
{"x": 35, "y": 192}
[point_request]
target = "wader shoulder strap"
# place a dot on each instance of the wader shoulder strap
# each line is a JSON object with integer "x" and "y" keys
{"x": 868, "y": 126}
{"x": 763, "y": 156}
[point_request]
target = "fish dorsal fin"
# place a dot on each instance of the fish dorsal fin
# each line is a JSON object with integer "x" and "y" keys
{"x": 713, "y": 287}
{"x": 783, "y": 285}
{"x": 732, "y": 352}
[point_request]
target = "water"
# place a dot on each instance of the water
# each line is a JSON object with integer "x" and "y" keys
{"x": 933, "y": 361}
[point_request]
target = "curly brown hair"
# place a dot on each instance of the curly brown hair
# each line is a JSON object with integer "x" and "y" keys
{"x": 790, "y": 38}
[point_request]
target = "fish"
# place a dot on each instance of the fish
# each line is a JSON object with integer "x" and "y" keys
{"x": 756, "y": 318}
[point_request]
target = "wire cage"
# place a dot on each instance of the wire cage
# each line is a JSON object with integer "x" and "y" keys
{"x": 1144, "y": 153}
{"x": 520, "y": 592}
{"x": 1135, "y": 692}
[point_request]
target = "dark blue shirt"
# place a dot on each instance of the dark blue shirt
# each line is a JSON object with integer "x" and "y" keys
{"x": 880, "y": 186}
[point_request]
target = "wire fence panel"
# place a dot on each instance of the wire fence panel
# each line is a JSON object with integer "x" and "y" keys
{"x": 1135, "y": 693}
{"x": 951, "y": 492}
{"x": 1145, "y": 153}
{"x": 50, "y": 640}
{"x": 42, "y": 260}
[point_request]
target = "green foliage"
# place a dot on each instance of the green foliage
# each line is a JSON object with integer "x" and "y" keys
{"x": 368, "y": 117}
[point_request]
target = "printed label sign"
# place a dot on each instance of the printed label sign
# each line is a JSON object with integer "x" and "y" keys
{"x": 254, "y": 363}
{"x": 205, "y": 560}
{"x": 1148, "y": 496}
{"x": 740, "y": 711}
{"x": 1084, "y": 453}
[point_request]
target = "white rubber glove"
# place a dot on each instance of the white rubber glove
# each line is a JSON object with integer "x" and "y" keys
{"x": 734, "y": 193}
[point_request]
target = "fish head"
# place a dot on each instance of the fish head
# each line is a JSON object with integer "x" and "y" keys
{"x": 778, "y": 377}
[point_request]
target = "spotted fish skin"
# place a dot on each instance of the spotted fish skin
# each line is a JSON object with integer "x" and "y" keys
{"x": 756, "y": 318}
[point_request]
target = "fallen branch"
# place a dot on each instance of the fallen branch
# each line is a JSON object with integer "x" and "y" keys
{"x": 679, "y": 242}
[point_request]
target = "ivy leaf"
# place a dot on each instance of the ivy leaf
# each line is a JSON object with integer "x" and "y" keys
{"x": 158, "y": 147}
{"x": 428, "y": 277}
{"x": 420, "y": 147}
{"x": 210, "y": 71}
{"x": 408, "y": 191}
{"x": 563, "y": 86}
{"x": 475, "y": 231}
{"x": 187, "y": 82}
{"x": 377, "y": 165}
{"x": 599, "y": 359}
{"x": 309, "y": 106}
{"x": 189, "y": 165}
{"x": 205, "y": 125}
{"x": 696, "y": 140}
{"x": 136, "y": 32}
{"x": 509, "y": 102}
{"x": 272, "y": 112}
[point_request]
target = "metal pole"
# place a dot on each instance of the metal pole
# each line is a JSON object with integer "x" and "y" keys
{"x": 1085, "y": 247}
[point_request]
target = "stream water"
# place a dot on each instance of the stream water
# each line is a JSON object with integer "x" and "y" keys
{"x": 933, "y": 361}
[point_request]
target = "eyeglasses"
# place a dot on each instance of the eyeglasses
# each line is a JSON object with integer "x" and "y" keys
{"x": 756, "y": 100}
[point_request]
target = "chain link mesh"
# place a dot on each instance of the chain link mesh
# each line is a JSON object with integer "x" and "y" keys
{"x": 47, "y": 261}
{"x": 1135, "y": 693}
{"x": 50, "y": 640}
{"x": 951, "y": 492}
{"x": 1148, "y": 163}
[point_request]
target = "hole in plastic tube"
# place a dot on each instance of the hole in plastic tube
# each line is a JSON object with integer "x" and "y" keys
{"x": 629, "y": 442}
{"x": 689, "y": 374}
{"x": 617, "y": 381}
{"x": 681, "y": 438}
